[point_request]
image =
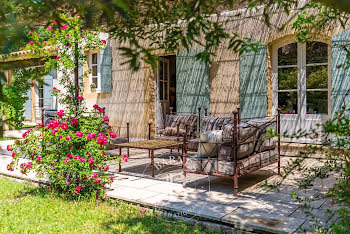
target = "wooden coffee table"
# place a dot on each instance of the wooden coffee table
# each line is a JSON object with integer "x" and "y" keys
{"x": 151, "y": 146}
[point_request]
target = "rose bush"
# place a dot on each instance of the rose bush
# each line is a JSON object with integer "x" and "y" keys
{"x": 69, "y": 150}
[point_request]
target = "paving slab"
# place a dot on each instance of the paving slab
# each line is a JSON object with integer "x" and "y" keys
{"x": 256, "y": 220}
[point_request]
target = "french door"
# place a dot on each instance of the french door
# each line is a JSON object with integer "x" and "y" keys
{"x": 301, "y": 87}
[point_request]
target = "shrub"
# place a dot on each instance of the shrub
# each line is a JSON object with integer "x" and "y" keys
{"x": 69, "y": 150}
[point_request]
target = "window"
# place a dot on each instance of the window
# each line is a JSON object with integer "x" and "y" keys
{"x": 94, "y": 71}
{"x": 164, "y": 80}
{"x": 41, "y": 94}
{"x": 302, "y": 78}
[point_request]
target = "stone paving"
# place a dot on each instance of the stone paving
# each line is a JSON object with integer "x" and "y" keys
{"x": 211, "y": 198}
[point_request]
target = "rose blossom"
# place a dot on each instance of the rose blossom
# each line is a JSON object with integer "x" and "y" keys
{"x": 68, "y": 138}
{"x": 39, "y": 158}
{"x": 79, "y": 134}
{"x": 64, "y": 126}
{"x": 94, "y": 175}
{"x": 104, "y": 41}
{"x": 60, "y": 113}
{"x": 97, "y": 180}
{"x": 77, "y": 189}
{"x": 67, "y": 182}
{"x": 60, "y": 136}
{"x": 91, "y": 160}
{"x": 112, "y": 134}
{"x": 105, "y": 119}
{"x": 58, "y": 58}
{"x": 9, "y": 148}
{"x": 74, "y": 122}
{"x": 67, "y": 160}
{"x": 64, "y": 27}
{"x": 49, "y": 28}
{"x": 106, "y": 168}
{"x": 80, "y": 98}
{"x": 31, "y": 43}
{"x": 91, "y": 136}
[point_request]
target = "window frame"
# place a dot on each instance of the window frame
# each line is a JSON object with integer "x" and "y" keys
{"x": 301, "y": 79}
{"x": 98, "y": 85}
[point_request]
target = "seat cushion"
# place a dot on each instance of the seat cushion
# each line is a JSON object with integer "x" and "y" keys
{"x": 214, "y": 136}
{"x": 115, "y": 141}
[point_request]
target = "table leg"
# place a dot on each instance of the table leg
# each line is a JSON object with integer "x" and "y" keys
{"x": 152, "y": 162}
{"x": 120, "y": 164}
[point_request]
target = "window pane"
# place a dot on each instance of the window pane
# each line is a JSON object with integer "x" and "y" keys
{"x": 288, "y": 102}
{"x": 316, "y": 52}
{"x": 316, "y": 77}
{"x": 287, "y": 78}
{"x": 94, "y": 58}
{"x": 94, "y": 70}
{"x": 165, "y": 91}
{"x": 161, "y": 90}
{"x": 317, "y": 102}
{"x": 287, "y": 55}
{"x": 94, "y": 81}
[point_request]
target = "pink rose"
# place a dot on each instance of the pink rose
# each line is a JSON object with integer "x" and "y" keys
{"x": 125, "y": 158}
{"x": 94, "y": 175}
{"x": 106, "y": 168}
{"x": 82, "y": 160}
{"x": 95, "y": 106}
{"x": 67, "y": 182}
{"x": 112, "y": 134}
{"x": 97, "y": 180}
{"x": 52, "y": 168}
{"x": 78, "y": 189}
{"x": 58, "y": 58}
{"x": 64, "y": 27}
{"x": 39, "y": 158}
{"x": 77, "y": 157}
{"x": 91, "y": 136}
{"x": 29, "y": 165}
{"x": 102, "y": 152}
{"x": 82, "y": 36}
{"x": 69, "y": 155}
{"x": 91, "y": 160}
{"x": 102, "y": 139}
{"x": 68, "y": 35}
{"x": 54, "y": 161}
{"x": 74, "y": 122}
{"x": 68, "y": 138}
{"x": 31, "y": 43}
{"x": 67, "y": 160}
{"x": 9, "y": 148}
{"x": 79, "y": 134}
{"x": 105, "y": 119}
{"x": 111, "y": 178}
{"x": 13, "y": 154}
{"x": 53, "y": 35}
{"x": 60, "y": 136}
{"x": 80, "y": 98}
{"x": 104, "y": 41}
{"x": 64, "y": 126}
{"x": 31, "y": 31}
{"x": 60, "y": 113}
{"x": 54, "y": 22}
{"x": 49, "y": 28}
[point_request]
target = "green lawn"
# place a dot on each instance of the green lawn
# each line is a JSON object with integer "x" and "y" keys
{"x": 28, "y": 209}
{"x": 7, "y": 138}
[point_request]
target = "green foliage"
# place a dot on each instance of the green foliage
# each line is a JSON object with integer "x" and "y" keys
{"x": 14, "y": 96}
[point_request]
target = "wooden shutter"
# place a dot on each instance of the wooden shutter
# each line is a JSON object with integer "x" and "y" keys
{"x": 48, "y": 80}
{"x": 340, "y": 71}
{"x": 106, "y": 68}
{"x": 192, "y": 82}
{"x": 253, "y": 83}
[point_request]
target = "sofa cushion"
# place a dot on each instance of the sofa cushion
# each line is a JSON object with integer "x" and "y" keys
{"x": 211, "y": 136}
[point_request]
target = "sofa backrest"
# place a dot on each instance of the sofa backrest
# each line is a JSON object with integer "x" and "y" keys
{"x": 173, "y": 120}
{"x": 214, "y": 123}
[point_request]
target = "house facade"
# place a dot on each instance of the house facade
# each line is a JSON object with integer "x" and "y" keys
{"x": 307, "y": 81}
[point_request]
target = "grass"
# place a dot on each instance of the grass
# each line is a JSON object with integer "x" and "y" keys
{"x": 7, "y": 138}
{"x": 28, "y": 209}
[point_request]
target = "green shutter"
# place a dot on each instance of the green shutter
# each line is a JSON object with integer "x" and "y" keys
{"x": 28, "y": 104}
{"x": 192, "y": 82}
{"x": 106, "y": 68}
{"x": 48, "y": 85}
{"x": 340, "y": 71}
{"x": 253, "y": 83}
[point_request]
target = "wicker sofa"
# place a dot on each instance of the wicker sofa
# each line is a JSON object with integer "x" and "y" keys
{"x": 237, "y": 149}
